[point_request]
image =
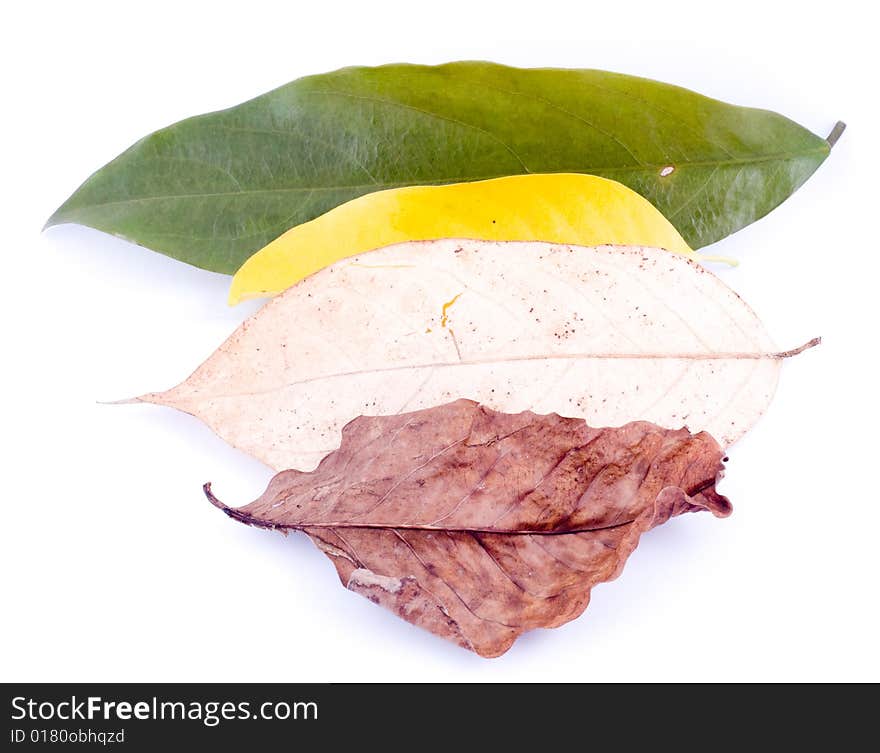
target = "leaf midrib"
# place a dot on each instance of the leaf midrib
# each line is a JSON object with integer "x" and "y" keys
{"x": 243, "y": 516}
{"x": 693, "y": 356}
{"x": 715, "y": 164}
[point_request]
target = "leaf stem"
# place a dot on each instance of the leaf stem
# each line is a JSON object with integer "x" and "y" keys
{"x": 719, "y": 259}
{"x": 794, "y": 351}
{"x": 836, "y": 133}
{"x": 242, "y": 517}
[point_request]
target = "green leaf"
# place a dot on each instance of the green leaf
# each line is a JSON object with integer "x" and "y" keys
{"x": 213, "y": 189}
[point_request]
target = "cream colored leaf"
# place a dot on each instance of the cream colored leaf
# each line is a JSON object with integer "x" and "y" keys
{"x": 609, "y": 334}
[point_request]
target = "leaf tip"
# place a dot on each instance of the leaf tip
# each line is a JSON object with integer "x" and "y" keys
{"x": 62, "y": 214}
{"x": 238, "y": 293}
{"x": 55, "y": 219}
{"x": 124, "y": 401}
{"x": 716, "y": 503}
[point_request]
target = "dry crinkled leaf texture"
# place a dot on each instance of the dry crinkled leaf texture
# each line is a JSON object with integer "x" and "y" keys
{"x": 479, "y": 526}
{"x": 610, "y": 334}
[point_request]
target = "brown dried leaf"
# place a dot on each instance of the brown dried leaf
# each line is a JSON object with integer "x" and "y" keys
{"x": 479, "y": 525}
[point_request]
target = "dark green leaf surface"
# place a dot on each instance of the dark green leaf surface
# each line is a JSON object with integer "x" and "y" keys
{"x": 213, "y": 189}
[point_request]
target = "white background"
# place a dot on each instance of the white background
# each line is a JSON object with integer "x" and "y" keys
{"x": 114, "y": 565}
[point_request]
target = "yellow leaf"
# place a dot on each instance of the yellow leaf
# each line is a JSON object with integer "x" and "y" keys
{"x": 564, "y": 208}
